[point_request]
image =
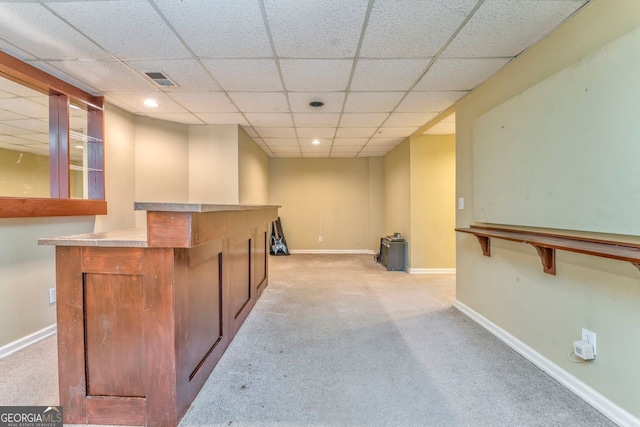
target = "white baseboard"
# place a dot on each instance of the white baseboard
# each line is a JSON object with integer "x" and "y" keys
{"x": 332, "y": 251}
{"x": 431, "y": 270}
{"x": 612, "y": 411}
{"x": 25, "y": 342}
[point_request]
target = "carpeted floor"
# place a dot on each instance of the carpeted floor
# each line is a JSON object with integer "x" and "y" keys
{"x": 338, "y": 341}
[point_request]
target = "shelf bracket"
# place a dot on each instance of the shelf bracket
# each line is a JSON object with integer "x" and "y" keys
{"x": 485, "y": 244}
{"x": 548, "y": 258}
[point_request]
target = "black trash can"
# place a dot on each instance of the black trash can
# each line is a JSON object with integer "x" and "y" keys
{"x": 392, "y": 252}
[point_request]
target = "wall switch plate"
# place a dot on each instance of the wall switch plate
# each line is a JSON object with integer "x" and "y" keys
{"x": 461, "y": 203}
{"x": 319, "y": 238}
{"x": 589, "y": 337}
{"x": 52, "y": 295}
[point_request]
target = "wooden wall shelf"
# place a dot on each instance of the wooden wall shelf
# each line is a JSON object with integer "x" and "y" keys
{"x": 546, "y": 245}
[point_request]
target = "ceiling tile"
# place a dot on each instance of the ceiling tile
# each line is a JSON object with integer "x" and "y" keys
{"x": 105, "y": 76}
{"x": 316, "y": 132}
{"x": 313, "y": 75}
{"x": 316, "y": 28}
{"x": 383, "y": 141}
{"x": 520, "y": 23}
{"x": 250, "y": 131}
{"x": 363, "y": 120}
{"x": 260, "y": 102}
{"x": 13, "y": 50}
{"x": 239, "y": 75}
{"x": 130, "y": 29}
{"x": 409, "y": 119}
{"x": 278, "y": 149}
{"x": 223, "y": 119}
{"x": 387, "y": 74}
{"x": 270, "y": 120}
{"x": 324, "y": 147}
{"x": 12, "y": 130}
{"x": 341, "y": 154}
{"x": 185, "y": 118}
{"x": 372, "y": 102}
{"x": 281, "y": 142}
{"x": 395, "y": 132}
{"x": 135, "y": 100}
{"x": 316, "y": 120}
{"x": 428, "y": 102}
{"x": 412, "y": 28}
{"x": 277, "y": 132}
{"x": 332, "y": 102}
{"x": 346, "y": 148}
{"x": 204, "y": 102}
{"x": 25, "y": 107}
{"x": 287, "y": 155}
{"x": 187, "y": 74}
{"x": 460, "y": 74}
{"x": 31, "y": 125}
{"x": 37, "y": 31}
{"x": 56, "y": 71}
{"x": 230, "y": 29}
{"x": 350, "y": 141}
{"x": 355, "y": 132}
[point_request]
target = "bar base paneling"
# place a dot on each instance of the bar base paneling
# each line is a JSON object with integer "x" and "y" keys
{"x": 144, "y": 318}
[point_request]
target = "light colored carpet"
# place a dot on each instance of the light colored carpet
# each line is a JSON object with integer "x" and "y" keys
{"x": 338, "y": 341}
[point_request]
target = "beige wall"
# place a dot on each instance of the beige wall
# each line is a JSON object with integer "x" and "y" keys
{"x": 376, "y": 201}
{"x": 433, "y": 166}
{"x": 326, "y": 197}
{"x": 213, "y": 164}
{"x": 119, "y": 158}
{"x": 547, "y": 312}
{"x": 253, "y": 171}
{"x": 397, "y": 194}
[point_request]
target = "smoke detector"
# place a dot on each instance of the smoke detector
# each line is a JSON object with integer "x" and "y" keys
{"x": 160, "y": 78}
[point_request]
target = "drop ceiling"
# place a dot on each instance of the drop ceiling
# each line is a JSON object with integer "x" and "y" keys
{"x": 382, "y": 68}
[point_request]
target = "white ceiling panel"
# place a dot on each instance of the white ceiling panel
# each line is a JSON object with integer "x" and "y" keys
{"x": 504, "y": 28}
{"x": 273, "y": 143}
{"x": 363, "y": 120}
{"x": 316, "y": 120}
{"x": 32, "y": 125}
{"x": 37, "y": 31}
{"x": 284, "y": 149}
{"x": 316, "y": 75}
{"x": 412, "y": 28}
{"x": 207, "y": 102}
{"x": 136, "y": 100}
{"x": 340, "y": 154}
{"x": 395, "y": 132}
{"x": 346, "y": 148}
{"x": 350, "y": 141}
{"x": 105, "y": 76}
{"x": 428, "y": 102}
{"x": 25, "y": 107}
{"x": 288, "y": 155}
{"x": 316, "y": 133}
{"x": 141, "y": 32}
{"x": 12, "y": 50}
{"x": 408, "y": 119}
{"x": 384, "y": 141}
{"x": 372, "y": 102}
{"x": 260, "y": 102}
{"x": 187, "y": 74}
{"x": 185, "y": 118}
{"x": 355, "y": 132}
{"x": 250, "y": 131}
{"x": 228, "y": 29}
{"x": 12, "y": 130}
{"x": 270, "y": 120}
{"x": 387, "y": 74}
{"x": 277, "y": 132}
{"x": 9, "y": 115}
{"x": 332, "y": 102}
{"x": 52, "y": 69}
{"x": 460, "y": 74}
{"x": 316, "y": 28}
{"x": 245, "y": 75}
{"x": 323, "y": 147}
{"x": 223, "y": 119}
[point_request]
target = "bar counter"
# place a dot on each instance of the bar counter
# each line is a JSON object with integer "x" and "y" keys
{"x": 144, "y": 315}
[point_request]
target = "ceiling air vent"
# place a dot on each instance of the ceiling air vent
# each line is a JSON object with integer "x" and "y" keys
{"x": 160, "y": 79}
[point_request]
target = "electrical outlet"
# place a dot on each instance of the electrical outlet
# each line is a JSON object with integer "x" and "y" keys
{"x": 52, "y": 295}
{"x": 589, "y": 337}
{"x": 319, "y": 238}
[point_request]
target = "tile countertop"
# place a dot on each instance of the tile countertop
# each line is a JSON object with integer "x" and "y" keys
{"x": 196, "y": 207}
{"x": 135, "y": 238}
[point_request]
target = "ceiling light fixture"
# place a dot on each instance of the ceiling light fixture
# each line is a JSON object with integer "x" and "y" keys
{"x": 315, "y": 142}
{"x": 151, "y": 103}
{"x": 316, "y": 104}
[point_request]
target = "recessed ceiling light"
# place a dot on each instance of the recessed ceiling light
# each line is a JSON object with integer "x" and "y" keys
{"x": 315, "y": 142}
{"x": 151, "y": 103}
{"x": 316, "y": 104}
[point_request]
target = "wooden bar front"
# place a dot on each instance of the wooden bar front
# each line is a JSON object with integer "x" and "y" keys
{"x": 143, "y": 319}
